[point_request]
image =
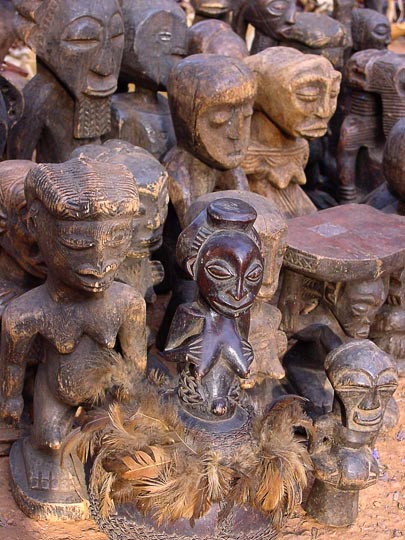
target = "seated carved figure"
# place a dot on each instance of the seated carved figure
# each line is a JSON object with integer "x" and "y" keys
{"x": 363, "y": 379}
{"x": 212, "y": 125}
{"x": 91, "y": 328}
{"x": 155, "y": 40}
{"x": 296, "y": 97}
{"x": 79, "y": 48}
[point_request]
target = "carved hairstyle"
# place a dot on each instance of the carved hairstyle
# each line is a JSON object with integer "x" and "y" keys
{"x": 220, "y": 215}
{"x": 202, "y": 81}
{"x": 82, "y": 189}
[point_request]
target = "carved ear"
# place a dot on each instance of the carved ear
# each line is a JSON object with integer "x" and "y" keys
{"x": 331, "y": 292}
{"x": 190, "y": 265}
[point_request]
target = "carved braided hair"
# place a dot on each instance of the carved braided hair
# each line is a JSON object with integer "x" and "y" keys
{"x": 83, "y": 189}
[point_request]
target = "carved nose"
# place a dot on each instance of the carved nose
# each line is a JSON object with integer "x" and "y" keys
{"x": 239, "y": 291}
{"x": 370, "y": 401}
{"x": 105, "y": 63}
{"x": 290, "y": 13}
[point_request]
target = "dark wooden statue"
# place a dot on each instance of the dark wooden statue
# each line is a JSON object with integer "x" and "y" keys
{"x": 212, "y": 125}
{"x": 363, "y": 379}
{"x": 377, "y": 103}
{"x": 91, "y": 329}
{"x": 138, "y": 270}
{"x": 370, "y": 30}
{"x": 155, "y": 40}
{"x": 68, "y": 103}
{"x": 296, "y": 97}
{"x": 216, "y": 37}
{"x": 267, "y": 340}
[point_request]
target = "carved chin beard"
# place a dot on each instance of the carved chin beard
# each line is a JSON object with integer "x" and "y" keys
{"x": 92, "y": 117}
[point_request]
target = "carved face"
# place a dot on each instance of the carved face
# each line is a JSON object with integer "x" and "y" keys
{"x": 357, "y": 304}
{"x": 149, "y": 227}
{"x": 364, "y": 379}
{"x": 229, "y": 272}
{"x": 370, "y": 30}
{"x": 272, "y": 17}
{"x": 305, "y": 100}
{"x": 84, "y": 45}
{"x": 83, "y": 255}
{"x": 223, "y": 133}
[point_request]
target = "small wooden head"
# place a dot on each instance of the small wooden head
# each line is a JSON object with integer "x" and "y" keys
{"x": 297, "y": 91}
{"x": 211, "y": 100}
{"x": 364, "y": 378}
{"x": 155, "y": 40}
{"x": 272, "y": 17}
{"x": 216, "y": 37}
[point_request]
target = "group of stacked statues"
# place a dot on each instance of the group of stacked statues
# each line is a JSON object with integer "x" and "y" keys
{"x": 263, "y": 186}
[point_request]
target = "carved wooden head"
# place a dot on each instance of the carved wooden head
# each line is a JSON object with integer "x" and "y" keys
{"x": 211, "y": 101}
{"x": 356, "y": 303}
{"x": 370, "y": 30}
{"x": 81, "y": 213}
{"x": 81, "y": 42}
{"x": 272, "y": 17}
{"x": 297, "y": 91}
{"x": 151, "y": 180}
{"x": 364, "y": 378}
{"x": 224, "y": 256}
{"x": 155, "y": 40}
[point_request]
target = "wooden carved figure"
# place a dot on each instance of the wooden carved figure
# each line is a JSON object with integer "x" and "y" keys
{"x": 296, "y": 97}
{"x": 364, "y": 379}
{"x": 138, "y": 270}
{"x": 377, "y": 103}
{"x": 212, "y": 125}
{"x": 370, "y": 30}
{"x": 216, "y": 37}
{"x": 68, "y": 103}
{"x": 267, "y": 340}
{"x": 155, "y": 40}
{"x": 91, "y": 328}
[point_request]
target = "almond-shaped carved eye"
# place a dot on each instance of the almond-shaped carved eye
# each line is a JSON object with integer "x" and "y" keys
{"x": 255, "y": 273}
{"x": 218, "y": 271}
{"x": 308, "y": 93}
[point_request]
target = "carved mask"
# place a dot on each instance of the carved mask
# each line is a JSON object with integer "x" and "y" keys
{"x": 229, "y": 272}
{"x": 364, "y": 378}
{"x": 355, "y": 304}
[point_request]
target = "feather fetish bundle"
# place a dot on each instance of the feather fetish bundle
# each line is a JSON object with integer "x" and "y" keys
{"x": 143, "y": 454}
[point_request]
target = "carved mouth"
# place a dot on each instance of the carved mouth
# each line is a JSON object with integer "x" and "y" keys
{"x": 213, "y": 8}
{"x": 98, "y": 86}
{"x": 365, "y": 419}
{"x": 236, "y": 307}
{"x": 315, "y": 131}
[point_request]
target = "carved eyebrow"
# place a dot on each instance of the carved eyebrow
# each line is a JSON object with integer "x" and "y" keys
{"x": 347, "y": 379}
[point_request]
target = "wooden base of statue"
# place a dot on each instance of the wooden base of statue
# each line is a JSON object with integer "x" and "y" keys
{"x": 46, "y": 496}
{"x": 129, "y": 524}
{"x": 331, "y": 506}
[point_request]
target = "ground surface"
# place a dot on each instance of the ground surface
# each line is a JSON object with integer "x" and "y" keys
{"x": 381, "y": 517}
